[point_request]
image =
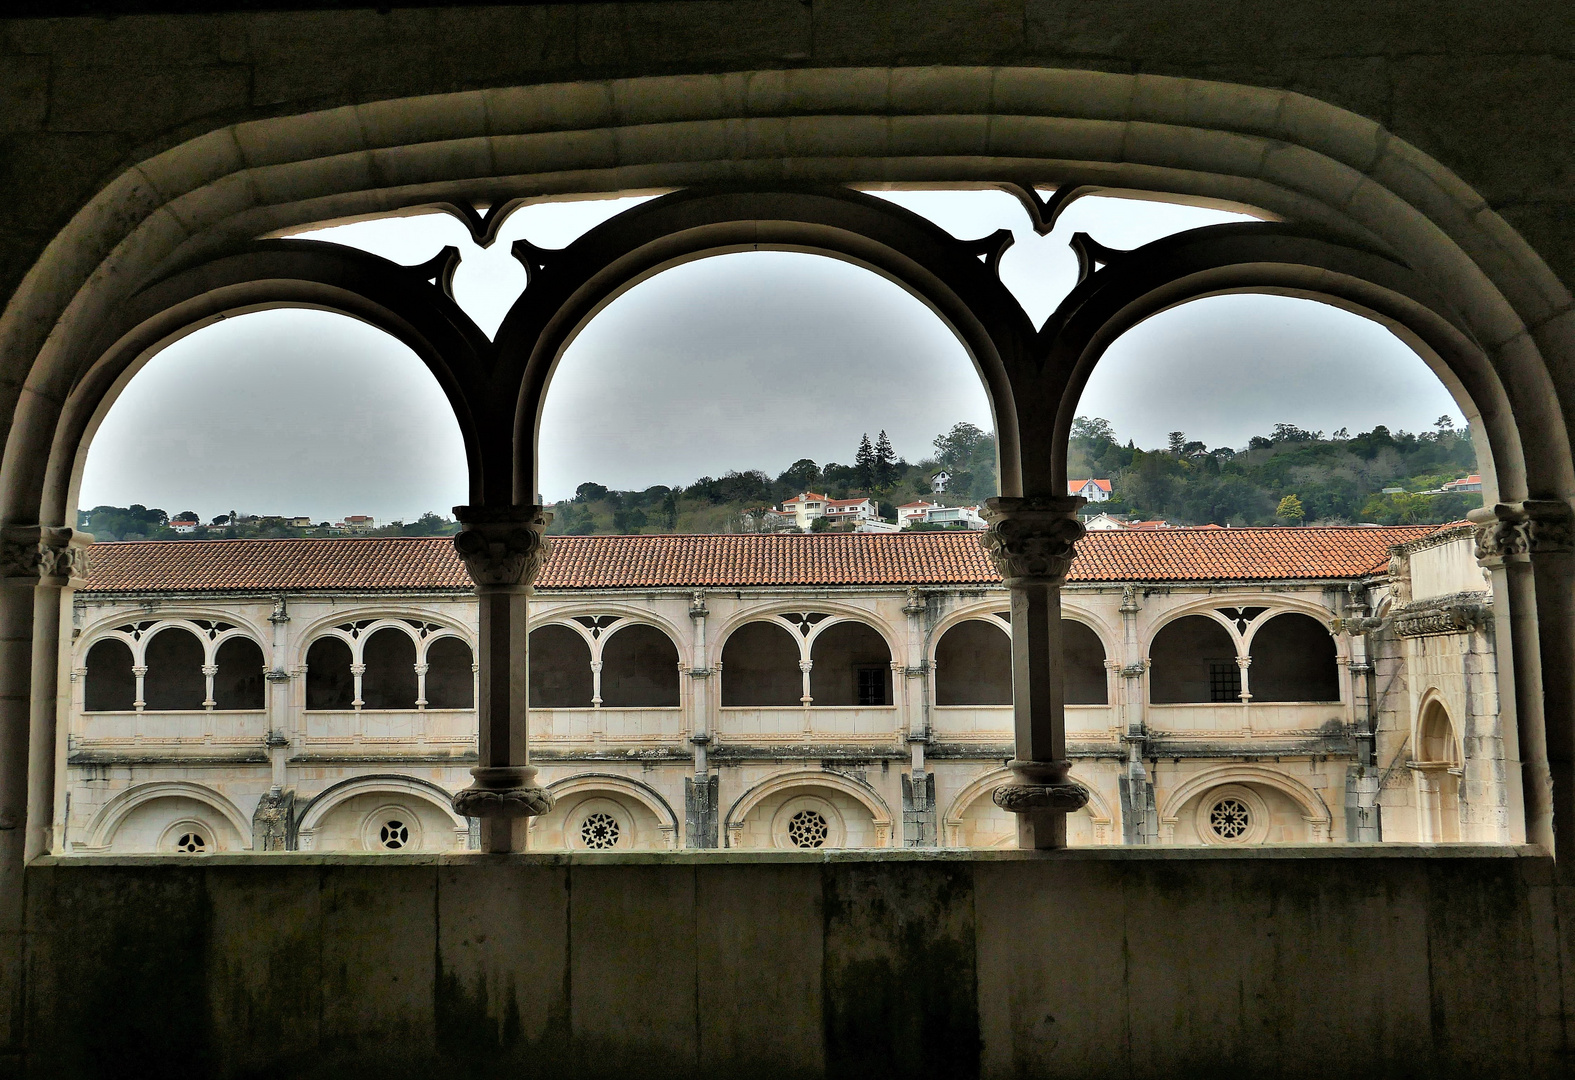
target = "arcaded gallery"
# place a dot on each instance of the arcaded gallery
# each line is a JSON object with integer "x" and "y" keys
{"x": 1026, "y": 800}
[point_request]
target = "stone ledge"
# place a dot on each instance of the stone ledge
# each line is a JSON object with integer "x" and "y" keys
{"x": 698, "y": 858}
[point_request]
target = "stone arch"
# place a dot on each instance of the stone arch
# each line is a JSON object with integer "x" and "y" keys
{"x": 852, "y": 665}
{"x": 330, "y": 683}
{"x": 450, "y": 676}
{"x": 865, "y": 796}
{"x": 396, "y": 788}
{"x": 568, "y": 791}
{"x": 109, "y": 684}
{"x": 389, "y": 655}
{"x": 238, "y": 681}
{"x": 1102, "y": 823}
{"x": 973, "y": 663}
{"x": 1085, "y": 677}
{"x": 640, "y": 667}
{"x": 760, "y": 665}
{"x": 1437, "y": 767}
{"x": 101, "y": 830}
{"x": 1314, "y": 810}
{"x": 560, "y": 667}
{"x": 1192, "y": 659}
{"x": 174, "y": 655}
{"x": 1294, "y": 658}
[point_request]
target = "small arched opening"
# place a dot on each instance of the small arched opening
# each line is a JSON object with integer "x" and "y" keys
{"x": 389, "y": 681}
{"x": 1438, "y": 773}
{"x": 1083, "y": 666}
{"x": 238, "y": 683}
{"x": 560, "y": 669}
{"x": 852, "y": 667}
{"x": 639, "y": 669}
{"x": 174, "y": 681}
{"x": 1193, "y": 661}
{"x": 760, "y": 667}
{"x": 111, "y": 685}
{"x": 1294, "y": 659}
{"x": 973, "y": 664}
{"x": 450, "y": 681}
{"x": 329, "y": 683}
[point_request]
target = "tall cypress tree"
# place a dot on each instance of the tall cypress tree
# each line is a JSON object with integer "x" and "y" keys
{"x": 885, "y": 462}
{"x": 864, "y": 463}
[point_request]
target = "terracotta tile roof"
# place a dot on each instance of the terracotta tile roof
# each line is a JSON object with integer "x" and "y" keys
{"x": 610, "y": 562}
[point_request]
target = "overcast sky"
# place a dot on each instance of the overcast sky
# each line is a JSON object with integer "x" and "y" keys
{"x": 742, "y": 361}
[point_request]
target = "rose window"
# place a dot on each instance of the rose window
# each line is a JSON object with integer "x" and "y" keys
{"x": 191, "y": 843}
{"x": 808, "y": 829}
{"x": 600, "y": 831}
{"x": 1230, "y": 819}
{"x": 394, "y": 835}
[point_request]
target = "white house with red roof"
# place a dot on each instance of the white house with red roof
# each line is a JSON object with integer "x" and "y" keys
{"x": 1465, "y": 483}
{"x": 808, "y": 506}
{"x": 928, "y": 513}
{"x": 1092, "y": 490}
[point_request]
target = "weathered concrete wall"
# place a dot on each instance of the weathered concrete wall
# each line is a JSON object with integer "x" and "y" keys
{"x": 1133, "y": 963}
{"x": 1482, "y": 87}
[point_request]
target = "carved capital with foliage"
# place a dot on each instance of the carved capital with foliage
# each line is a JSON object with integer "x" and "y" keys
{"x": 503, "y": 545}
{"x": 503, "y": 791}
{"x": 45, "y": 553}
{"x": 1515, "y": 531}
{"x": 1040, "y": 785}
{"x": 1033, "y": 539}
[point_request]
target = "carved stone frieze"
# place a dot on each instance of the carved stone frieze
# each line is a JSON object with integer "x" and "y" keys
{"x": 1040, "y": 785}
{"x": 1032, "y": 539}
{"x": 1456, "y": 614}
{"x": 502, "y": 545}
{"x": 43, "y": 552}
{"x": 1514, "y": 531}
{"x": 503, "y": 791}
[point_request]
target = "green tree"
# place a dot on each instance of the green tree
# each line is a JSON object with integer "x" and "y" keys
{"x": 864, "y": 463}
{"x": 1086, "y": 427}
{"x": 955, "y": 449}
{"x": 1290, "y": 509}
{"x": 885, "y": 462}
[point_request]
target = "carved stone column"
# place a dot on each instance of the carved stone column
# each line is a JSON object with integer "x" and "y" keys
{"x": 1032, "y": 541}
{"x": 1529, "y": 547}
{"x": 503, "y": 549}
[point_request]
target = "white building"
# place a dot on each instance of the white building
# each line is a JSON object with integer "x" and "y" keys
{"x": 1095, "y": 491}
{"x": 703, "y": 691}
{"x": 929, "y": 513}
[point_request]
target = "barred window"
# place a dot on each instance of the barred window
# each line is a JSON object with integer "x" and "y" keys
{"x": 1224, "y": 680}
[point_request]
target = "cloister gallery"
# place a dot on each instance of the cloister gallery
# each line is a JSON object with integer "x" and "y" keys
{"x": 1409, "y": 163}
{"x": 788, "y": 692}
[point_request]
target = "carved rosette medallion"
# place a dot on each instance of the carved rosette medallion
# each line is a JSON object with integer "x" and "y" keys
{"x": 1515, "y": 531}
{"x": 1041, "y": 785}
{"x": 502, "y": 546}
{"x": 503, "y": 791}
{"x": 45, "y": 553}
{"x": 1032, "y": 540}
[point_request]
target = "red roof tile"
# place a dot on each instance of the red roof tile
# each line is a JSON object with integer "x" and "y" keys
{"x": 611, "y": 562}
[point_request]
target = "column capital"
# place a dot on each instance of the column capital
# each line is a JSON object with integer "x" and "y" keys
{"x": 1040, "y": 785}
{"x": 502, "y": 545}
{"x": 1515, "y": 531}
{"x": 507, "y": 791}
{"x": 1032, "y": 540}
{"x": 44, "y": 555}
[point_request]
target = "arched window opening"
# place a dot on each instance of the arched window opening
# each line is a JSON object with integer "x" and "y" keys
{"x": 852, "y": 667}
{"x": 760, "y": 667}
{"x": 560, "y": 669}
{"x": 1083, "y": 665}
{"x": 174, "y": 681}
{"x": 239, "y": 682}
{"x": 973, "y": 665}
{"x": 639, "y": 669}
{"x": 1294, "y": 659}
{"x": 451, "y": 677}
{"x": 1438, "y": 774}
{"x": 110, "y": 685}
{"x": 1194, "y": 661}
{"x": 329, "y": 683}
{"x": 389, "y": 681}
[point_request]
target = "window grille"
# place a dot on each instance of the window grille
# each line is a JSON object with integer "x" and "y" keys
{"x": 600, "y": 831}
{"x": 1224, "y": 680}
{"x": 808, "y": 829}
{"x": 872, "y": 686}
{"x": 191, "y": 843}
{"x": 1230, "y": 820}
{"x": 394, "y": 835}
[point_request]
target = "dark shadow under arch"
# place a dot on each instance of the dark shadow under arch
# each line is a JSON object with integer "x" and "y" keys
{"x": 451, "y": 678}
{"x": 760, "y": 667}
{"x": 174, "y": 683}
{"x": 111, "y": 685}
{"x": 1293, "y": 659}
{"x": 239, "y": 683}
{"x": 639, "y": 669}
{"x": 1194, "y": 661}
{"x": 852, "y": 667}
{"x": 329, "y": 683}
{"x": 560, "y": 669}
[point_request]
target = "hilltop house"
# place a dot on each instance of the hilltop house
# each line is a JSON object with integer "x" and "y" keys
{"x": 1092, "y": 490}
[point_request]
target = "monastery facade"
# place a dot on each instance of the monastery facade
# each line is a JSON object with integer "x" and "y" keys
{"x": 854, "y": 690}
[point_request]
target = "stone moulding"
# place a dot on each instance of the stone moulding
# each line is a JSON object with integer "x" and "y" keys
{"x": 1455, "y": 614}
